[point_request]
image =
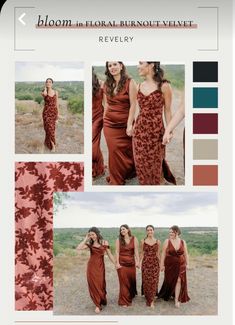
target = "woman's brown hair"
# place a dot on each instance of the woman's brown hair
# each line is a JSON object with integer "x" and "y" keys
{"x": 110, "y": 82}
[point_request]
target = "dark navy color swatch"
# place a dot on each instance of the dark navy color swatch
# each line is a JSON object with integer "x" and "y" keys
{"x": 205, "y": 97}
{"x": 205, "y": 71}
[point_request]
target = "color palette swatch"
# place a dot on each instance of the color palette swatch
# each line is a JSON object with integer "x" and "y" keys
{"x": 205, "y": 149}
{"x": 205, "y": 123}
{"x": 205, "y": 71}
{"x": 205, "y": 175}
{"x": 205, "y": 97}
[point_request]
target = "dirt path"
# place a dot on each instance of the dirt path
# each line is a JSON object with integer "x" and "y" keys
{"x": 174, "y": 151}
{"x": 29, "y": 132}
{"x": 71, "y": 296}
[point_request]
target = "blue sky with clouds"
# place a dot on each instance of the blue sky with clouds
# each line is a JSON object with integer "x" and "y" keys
{"x": 138, "y": 209}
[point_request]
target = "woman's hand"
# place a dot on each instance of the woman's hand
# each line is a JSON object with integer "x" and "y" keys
{"x": 162, "y": 268}
{"x": 129, "y": 130}
{"x": 167, "y": 137}
{"x": 118, "y": 266}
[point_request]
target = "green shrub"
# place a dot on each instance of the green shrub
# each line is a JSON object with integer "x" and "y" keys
{"x": 38, "y": 99}
{"x": 24, "y": 97}
{"x": 75, "y": 105}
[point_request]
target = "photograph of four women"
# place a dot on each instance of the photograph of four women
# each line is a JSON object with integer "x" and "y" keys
{"x": 172, "y": 259}
{"x": 133, "y": 113}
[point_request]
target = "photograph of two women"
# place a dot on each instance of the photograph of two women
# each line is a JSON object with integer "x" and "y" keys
{"x": 138, "y": 123}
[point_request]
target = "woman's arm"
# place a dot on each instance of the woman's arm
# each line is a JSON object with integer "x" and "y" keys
{"x": 176, "y": 119}
{"x": 109, "y": 253}
{"x": 162, "y": 262}
{"x": 186, "y": 255}
{"x": 159, "y": 250}
{"x": 105, "y": 104}
{"x": 133, "y": 99}
{"x": 167, "y": 93}
{"x": 136, "y": 249}
{"x": 117, "y": 254}
{"x": 141, "y": 251}
{"x": 83, "y": 244}
{"x": 44, "y": 92}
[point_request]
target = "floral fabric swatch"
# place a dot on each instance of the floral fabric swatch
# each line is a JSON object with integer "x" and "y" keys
{"x": 35, "y": 184}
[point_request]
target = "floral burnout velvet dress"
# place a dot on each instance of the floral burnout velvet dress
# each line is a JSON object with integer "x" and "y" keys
{"x": 149, "y": 152}
{"x": 150, "y": 272}
{"x": 50, "y": 115}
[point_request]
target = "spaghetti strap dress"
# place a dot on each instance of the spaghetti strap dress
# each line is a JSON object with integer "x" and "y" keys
{"x": 149, "y": 152}
{"x": 127, "y": 273}
{"x": 50, "y": 115}
{"x": 175, "y": 267}
{"x": 150, "y": 272}
{"x": 97, "y": 126}
{"x": 96, "y": 275}
{"x": 120, "y": 152}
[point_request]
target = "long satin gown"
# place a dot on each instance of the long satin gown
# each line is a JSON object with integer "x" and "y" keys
{"x": 97, "y": 126}
{"x": 175, "y": 266}
{"x": 149, "y": 152}
{"x": 127, "y": 273}
{"x": 96, "y": 275}
{"x": 120, "y": 160}
{"x": 49, "y": 115}
{"x": 150, "y": 272}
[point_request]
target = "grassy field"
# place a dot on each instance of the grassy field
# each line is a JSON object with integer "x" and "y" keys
{"x": 29, "y": 135}
{"x": 200, "y": 241}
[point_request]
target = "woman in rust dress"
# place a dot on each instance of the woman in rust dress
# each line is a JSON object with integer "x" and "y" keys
{"x": 120, "y": 101}
{"x": 127, "y": 260}
{"x": 174, "y": 262}
{"x": 154, "y": 98}
{"x": 95, "y": 267}
{"x": 50, "y": 114}
{"x": 97, "y": 126}
{"x": 150, "y": 257}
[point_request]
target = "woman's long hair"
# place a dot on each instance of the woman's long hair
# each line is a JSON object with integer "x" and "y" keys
{"x": 98, "y": 234}
{"x": 158, "y": 74}
{"x": 121, "y": 238}
{"x": 95, "y": 83}
{"x": 110, "y": 82}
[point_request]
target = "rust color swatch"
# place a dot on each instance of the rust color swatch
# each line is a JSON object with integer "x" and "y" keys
{"x": 205, "y": 175}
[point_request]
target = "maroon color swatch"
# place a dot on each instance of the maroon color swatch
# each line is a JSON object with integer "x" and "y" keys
{"x": 205, "y": 123}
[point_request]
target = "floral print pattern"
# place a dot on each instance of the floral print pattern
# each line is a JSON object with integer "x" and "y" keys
{"x": 35, "y": 183}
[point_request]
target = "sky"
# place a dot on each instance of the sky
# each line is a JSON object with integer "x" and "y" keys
{"x": 58, "y": 71}
{"x": 84, "y": 210}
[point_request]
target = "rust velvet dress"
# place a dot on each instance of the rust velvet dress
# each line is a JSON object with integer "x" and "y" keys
{"x": 175, "y": 266}
{"x": 127, "y": 273}
{"x": 96, "y": 275}
{"x": 50, "y": 115}
{"x": 120, "y": 161}
{"x": 150, "y": 272}
{"x": 97, "y": 125}
{"x": 149, "y": 152}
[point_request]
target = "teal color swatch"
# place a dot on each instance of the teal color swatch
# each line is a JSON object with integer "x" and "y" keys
{"x": 205, "y": 97}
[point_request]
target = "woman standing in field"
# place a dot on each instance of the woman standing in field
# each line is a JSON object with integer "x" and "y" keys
{"x": 50, "y": 113}
{"x": 120, "y": 98}
{"x": 154, "y": 98}
{"x": 174, "y": 262}
{"x": 97, "y": 126}
{"x": 127, "y": 256}
{"x": 95, "y": 267}
{"x": 150, "y": 265}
